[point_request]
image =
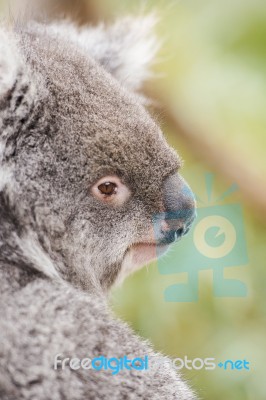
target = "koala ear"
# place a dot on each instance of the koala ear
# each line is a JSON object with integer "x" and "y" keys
{"x": 9, "y": 62}
{"x": 18, "y": 89}
{"x": 126, "y": 49}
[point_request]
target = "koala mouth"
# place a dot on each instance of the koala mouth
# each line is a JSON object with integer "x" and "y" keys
{"x": 143, "y": 253}
{"x": 140, "y": 254}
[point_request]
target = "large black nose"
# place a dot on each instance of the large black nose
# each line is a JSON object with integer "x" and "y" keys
{"x": 180, "y": 211}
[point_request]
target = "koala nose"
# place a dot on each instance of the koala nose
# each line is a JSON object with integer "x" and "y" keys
{"x": 180, "y": 211}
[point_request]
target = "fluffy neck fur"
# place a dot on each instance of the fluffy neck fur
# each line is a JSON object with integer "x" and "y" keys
{"x": 26, "y": 255}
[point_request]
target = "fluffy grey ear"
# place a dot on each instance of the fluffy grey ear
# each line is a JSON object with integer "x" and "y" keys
{"x": 125, "y": 49}
{"x": 18, "y": 90}
{"x": 9, "y": 62}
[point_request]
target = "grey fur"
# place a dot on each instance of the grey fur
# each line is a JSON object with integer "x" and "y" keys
{"x": 64, "y": 123}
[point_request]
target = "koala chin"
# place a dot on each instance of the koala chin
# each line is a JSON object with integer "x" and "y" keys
{"x": 89, "y": 192}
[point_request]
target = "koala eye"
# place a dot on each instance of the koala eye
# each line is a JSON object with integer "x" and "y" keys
{"x": 110, "y": 189}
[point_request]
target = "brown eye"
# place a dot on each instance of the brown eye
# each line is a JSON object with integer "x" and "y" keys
{"x": 111, "y": 190}
{"x": 107, "y": 188}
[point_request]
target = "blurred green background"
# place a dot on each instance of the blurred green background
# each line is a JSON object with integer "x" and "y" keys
{"x": 210, "y": 83}
{"x": 212, "y": 71}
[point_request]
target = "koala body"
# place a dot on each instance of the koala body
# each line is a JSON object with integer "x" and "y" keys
{"x": 83, "y": 171}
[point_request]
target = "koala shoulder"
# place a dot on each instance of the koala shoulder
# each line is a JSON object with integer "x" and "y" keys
{"x": 85, "y": 330}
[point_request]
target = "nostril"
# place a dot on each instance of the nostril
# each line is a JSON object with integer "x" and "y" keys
{"x": 172, "y": 236}
{"x": 171, "y": 226}
{"x": 168, "y": 237}
{"x": 179, "y": 232}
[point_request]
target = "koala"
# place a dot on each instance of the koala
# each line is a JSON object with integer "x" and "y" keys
{"x": 85, "y": 175}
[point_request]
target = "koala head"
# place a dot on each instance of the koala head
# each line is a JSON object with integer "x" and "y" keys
{"x": 85, "y": 173}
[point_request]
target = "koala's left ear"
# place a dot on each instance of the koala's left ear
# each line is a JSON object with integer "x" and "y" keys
{"x": 126, "y": 49}
{"x": 9, "y": 62}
